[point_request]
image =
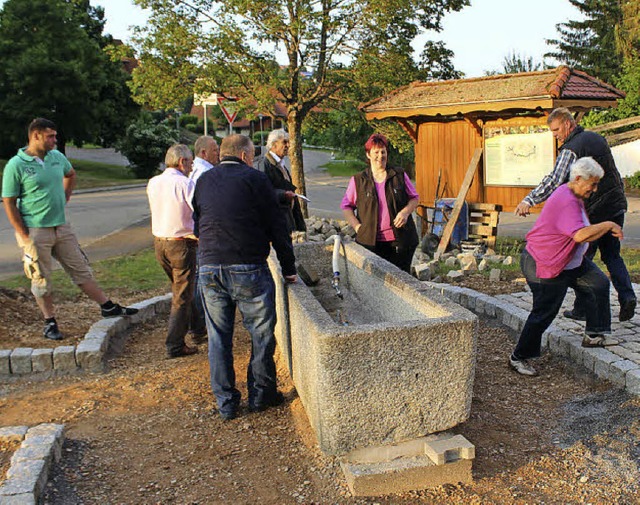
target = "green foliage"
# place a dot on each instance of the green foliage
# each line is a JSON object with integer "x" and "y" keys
{"x": 207, "y": 45}
{"x": 54, "y": 63}
{"x": 187, "y": 119}
{"x": 592, "y": 44}
{"x": 515, "y": 63}
{"x": 131, "y": 274}
{"x": 633, "y": 181}
{"x": 145, "y": 144}
{"x": 260, "y": 138}
{"x": 344, "y": 168}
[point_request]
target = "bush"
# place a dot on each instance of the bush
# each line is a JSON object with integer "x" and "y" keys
{"x": 260, "y": 138}
{"x": 145, "y": 144}
{"x": 633, "y": 181}
{"x": 187, "y": 119}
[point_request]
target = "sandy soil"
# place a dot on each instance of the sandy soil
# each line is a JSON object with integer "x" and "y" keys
{"x": 147, "y": 433}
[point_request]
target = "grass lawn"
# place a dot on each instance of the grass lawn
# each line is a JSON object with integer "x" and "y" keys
{"x": 92, "y": 174}
{"x": 131, "y": 274}
{"x": 344, "y": 168}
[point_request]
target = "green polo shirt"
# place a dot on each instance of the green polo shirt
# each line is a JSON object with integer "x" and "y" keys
{"x": 38, "y": 186}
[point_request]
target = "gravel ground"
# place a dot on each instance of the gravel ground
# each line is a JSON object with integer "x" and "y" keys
{"x": 146, "y": 433}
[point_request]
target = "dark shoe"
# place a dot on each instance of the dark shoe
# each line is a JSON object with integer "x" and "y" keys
{"x": 118, "y": 310}
{"x": 199, "y": 338}
{"x": 572, "y": 314}
{"x": 228, "y": 415}
{"x": 627, "y": 310}
{"x": 52, "y": 332}
{"x": 185, "y": 351}
{"x": 274, "y": 401}
{"x": 523, "y": 367}
{"x": 598, "y": 341}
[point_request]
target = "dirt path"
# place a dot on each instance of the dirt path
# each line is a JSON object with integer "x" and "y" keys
{"x": 146, "y": 433}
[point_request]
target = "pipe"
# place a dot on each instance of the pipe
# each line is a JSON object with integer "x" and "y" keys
{"x": 335, "y": 282}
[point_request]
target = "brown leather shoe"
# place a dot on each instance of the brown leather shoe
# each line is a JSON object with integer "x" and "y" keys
{"x": 185, "y": 351}
{"x": 199, "y": 338}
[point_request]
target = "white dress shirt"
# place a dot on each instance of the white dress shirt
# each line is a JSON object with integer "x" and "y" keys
{"x": 200, "y": 166}
{"x": 170, "y": 195}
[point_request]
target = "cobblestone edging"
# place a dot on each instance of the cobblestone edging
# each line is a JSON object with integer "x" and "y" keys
{"x": 88, "y": 355}
{"x": 619, "y": 364}
{"x": 30, "y": 464}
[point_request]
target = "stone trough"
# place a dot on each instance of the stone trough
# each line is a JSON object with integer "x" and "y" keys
{"x": 392, "y": 362}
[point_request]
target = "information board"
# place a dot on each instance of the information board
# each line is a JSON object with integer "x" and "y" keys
{"x": 517, "y": 155}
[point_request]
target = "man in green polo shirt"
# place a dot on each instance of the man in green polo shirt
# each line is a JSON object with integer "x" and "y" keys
{"x": 36, "y": 185}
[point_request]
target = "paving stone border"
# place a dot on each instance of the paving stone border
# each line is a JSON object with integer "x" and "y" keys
{"x": 31, "y": 463}
{"x": 88, "y": 355}
{"x": 619, "y": 364}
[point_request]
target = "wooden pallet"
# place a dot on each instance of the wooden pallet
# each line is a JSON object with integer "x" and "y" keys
{"x": 483, "y": 222}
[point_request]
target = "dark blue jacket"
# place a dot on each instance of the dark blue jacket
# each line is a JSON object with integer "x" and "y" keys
{"x": 237, "y": 218}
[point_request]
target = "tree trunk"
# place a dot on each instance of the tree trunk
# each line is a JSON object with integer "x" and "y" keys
{"x": 294, "y": 122}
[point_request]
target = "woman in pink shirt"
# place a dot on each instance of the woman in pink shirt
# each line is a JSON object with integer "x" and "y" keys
{"x": 554, "y": 260}
{"x": 378, "y": 205}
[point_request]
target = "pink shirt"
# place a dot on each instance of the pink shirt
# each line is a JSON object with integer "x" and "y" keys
{"x": 550, "y": 241}
{"x": 170, "y": 195}
{"x": 385, "y": 230}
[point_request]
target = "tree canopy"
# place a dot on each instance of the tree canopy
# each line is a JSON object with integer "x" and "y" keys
{"x": 53, "y": 64}
{"x": 238, "y": 46}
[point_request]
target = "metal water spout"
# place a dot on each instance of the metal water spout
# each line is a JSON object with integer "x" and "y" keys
{"x": 335, "y": 281}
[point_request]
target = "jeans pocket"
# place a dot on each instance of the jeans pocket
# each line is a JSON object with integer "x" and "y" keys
{"x": 250, "y": 283}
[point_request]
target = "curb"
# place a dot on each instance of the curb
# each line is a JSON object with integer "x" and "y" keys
{"x": 602, "y": 363}
{"x": 31, "y": 463}
{"x": 88, "y": 355}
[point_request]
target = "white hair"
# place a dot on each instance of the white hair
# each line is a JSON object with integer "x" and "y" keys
{"x": 275, "y": 136}
{"x": 586, "y": 168}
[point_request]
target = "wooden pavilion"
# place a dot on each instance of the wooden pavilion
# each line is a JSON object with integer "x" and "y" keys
{"x": 503, "y": 116}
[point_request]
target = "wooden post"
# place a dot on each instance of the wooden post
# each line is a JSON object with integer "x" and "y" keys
{"x": 457, "y": 207}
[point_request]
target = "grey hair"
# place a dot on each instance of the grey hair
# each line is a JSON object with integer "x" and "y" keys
{"x": 275, "y": 136}
{"x": 235, "y": 145}
{"x": 203, "y": 142}
{"x": 586, "y": 168}
{"x": 561, "y": 113}
{"x": 174, "y": 153}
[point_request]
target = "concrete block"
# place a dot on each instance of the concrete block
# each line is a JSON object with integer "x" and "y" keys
{"x": 494, "y": 274}
{"x": 21, "y": 360}
{"x": 42, "y": 360}
{"x": 633, "y": 382}
{"x": 618, "y": 371}
{"x": 146, "y": 310}
{"x": 602, "y": 366}
{"x": 490, "y": 307}
{"x": 112, "y": 326}
{"x": 402, "y": 467}
{"x": 451, "y": 449}
{"x": 64, "y": 358}
{"x": 56, "y": 430}
{"x": 33, "y": 452}
{"x": 25, "y": 477}
{"x": 308, "y": 274}
{"x": 18, "y": 499}
{"x": 13, "y": 433}
{"x": 423, "y": 272}
{"x": 89, "y": 355}
{"x": 404, "y": 342}
{"x": 576, "y": 351}
{"x": 162, "y": 304}
{"x": 5, "y": 362}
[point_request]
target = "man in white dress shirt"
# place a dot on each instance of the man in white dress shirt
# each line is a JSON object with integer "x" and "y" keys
{"x": 175, "y": 244}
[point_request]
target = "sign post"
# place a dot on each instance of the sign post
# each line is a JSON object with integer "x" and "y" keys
{"x": 204, "y": 101}
{"x": 226, "y": 105}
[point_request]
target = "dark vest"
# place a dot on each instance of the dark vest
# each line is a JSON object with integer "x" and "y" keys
{"x": 609, "y": 201}
{"x": 367, "y": 208}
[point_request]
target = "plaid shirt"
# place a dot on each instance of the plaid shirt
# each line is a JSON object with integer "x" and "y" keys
{"x": 550, "y": 182}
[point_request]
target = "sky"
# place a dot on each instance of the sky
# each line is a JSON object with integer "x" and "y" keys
{"x": 480, "y": 35}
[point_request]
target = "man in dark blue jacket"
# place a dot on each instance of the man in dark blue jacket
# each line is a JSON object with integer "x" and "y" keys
{"x": 237, "y": 219}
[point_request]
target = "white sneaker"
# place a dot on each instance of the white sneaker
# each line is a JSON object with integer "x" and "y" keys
{"x": 522, "y": 366}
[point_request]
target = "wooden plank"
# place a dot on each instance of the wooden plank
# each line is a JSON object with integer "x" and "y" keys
{"x": 485, "y": 231}
{"x": 485, "y": 206}
{"x": 411, "y": 131}
{"x": 615, "y": 124}
{"x": 457, "y": 207}
{"x": 623, "y": 138}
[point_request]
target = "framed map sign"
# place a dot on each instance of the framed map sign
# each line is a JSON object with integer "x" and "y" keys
{"x": 517, "y": 155}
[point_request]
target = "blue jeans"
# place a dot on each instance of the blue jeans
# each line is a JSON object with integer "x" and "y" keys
{"x": 251, "y": 288}
{"x": 548, "y": 295}
{"x": 610, "y": 254}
